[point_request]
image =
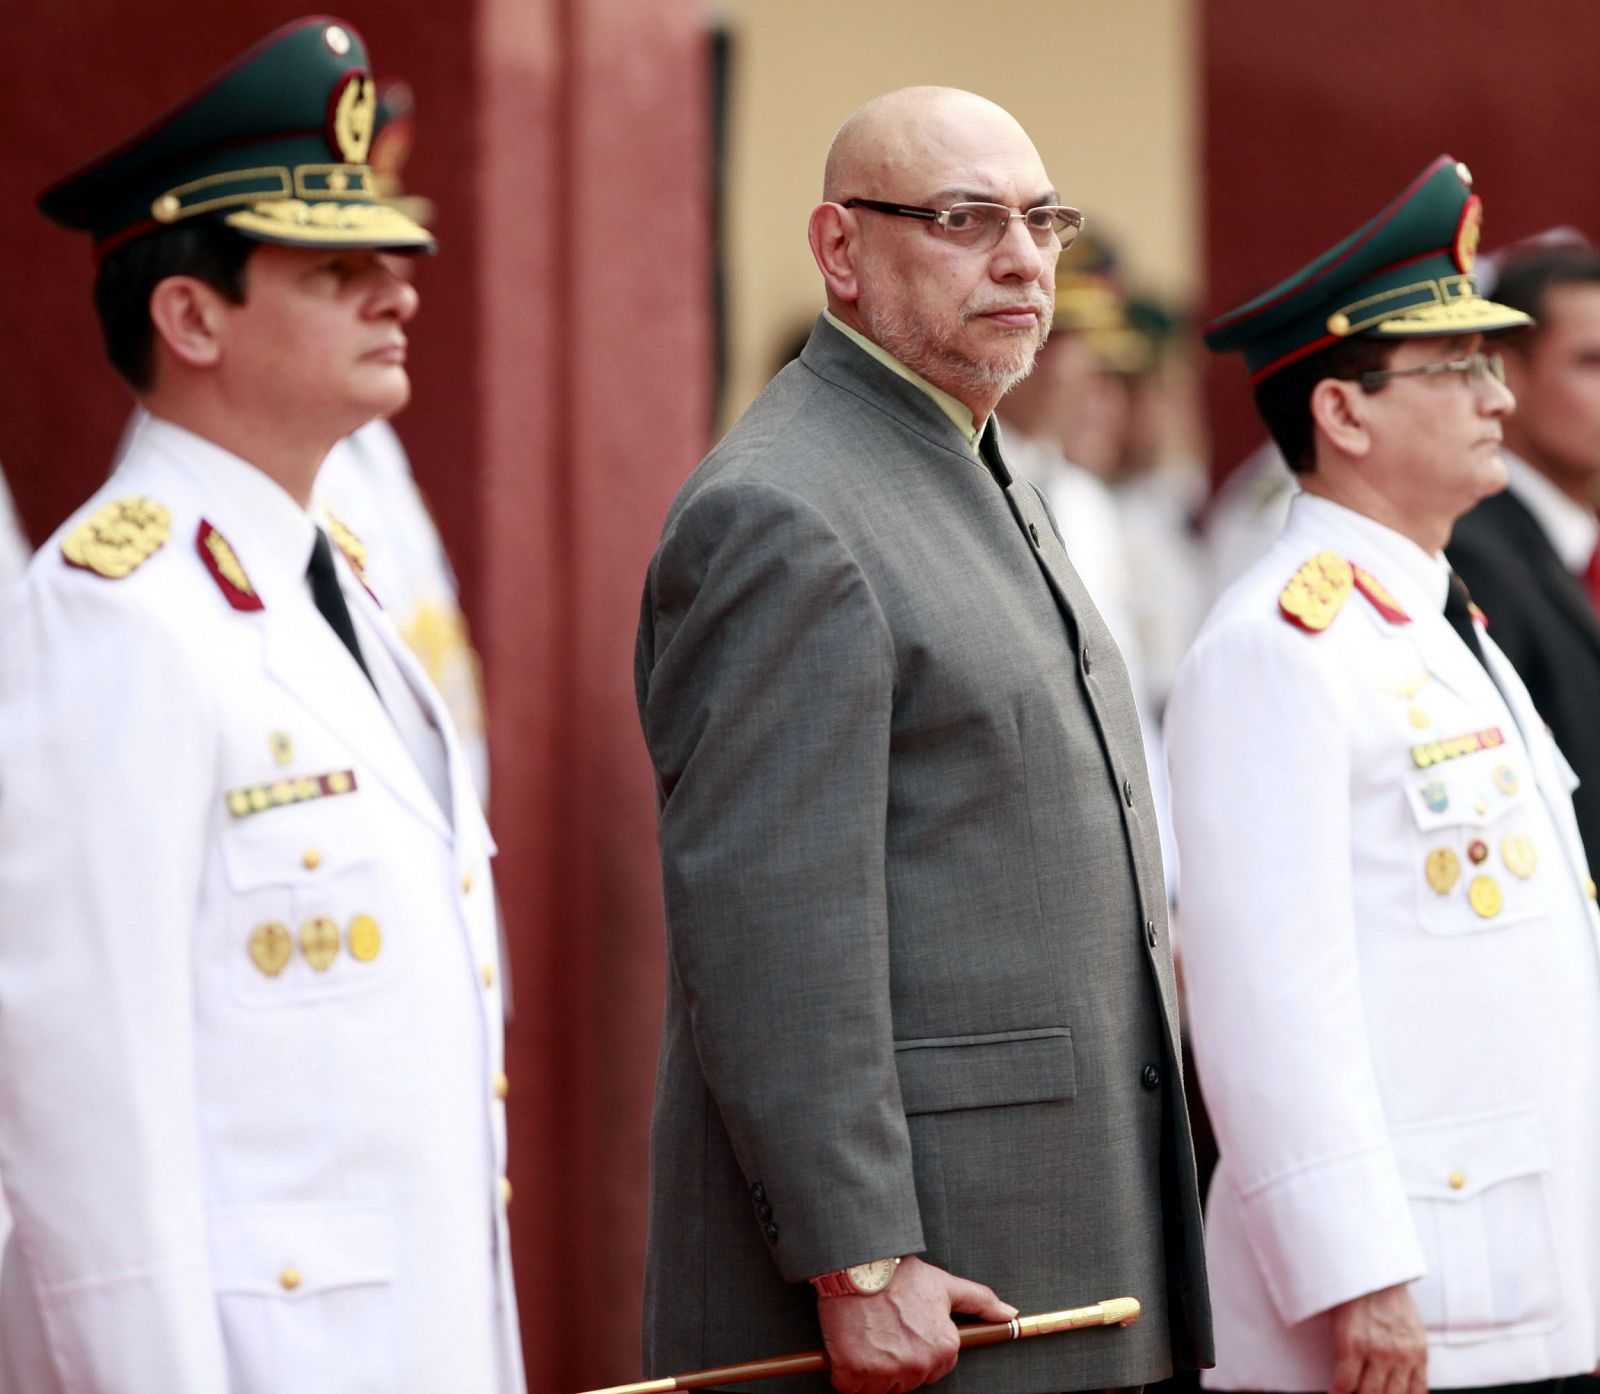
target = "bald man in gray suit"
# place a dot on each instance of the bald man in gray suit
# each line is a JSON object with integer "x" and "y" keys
{"x": 921, "y": 1036}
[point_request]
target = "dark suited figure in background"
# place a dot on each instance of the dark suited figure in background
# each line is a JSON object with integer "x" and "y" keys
{"x": 920, "y": 1043}
{"x": 1531, "y": 555}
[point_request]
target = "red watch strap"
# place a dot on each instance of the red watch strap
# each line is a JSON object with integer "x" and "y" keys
{"x": 835, "y": 1284}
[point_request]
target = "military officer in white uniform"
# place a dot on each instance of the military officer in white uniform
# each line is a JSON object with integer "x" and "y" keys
{"x": 1390, "y": 935}
{"x": 251, "y": 1082}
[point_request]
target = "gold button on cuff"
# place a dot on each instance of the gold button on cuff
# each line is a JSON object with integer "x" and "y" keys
{"x": 311, "y": 859}
{"x": 488, "y": 974}
{"x": 1457, "y": 1180}
{"x": 502, "y": 1085}
{"x": 289, "y": 1279}
{"x": 505, "y": 1191}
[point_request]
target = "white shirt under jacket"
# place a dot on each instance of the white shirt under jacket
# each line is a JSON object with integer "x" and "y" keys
{"x": 224, "y": 1175}
{"x": 1403, "y": 1089}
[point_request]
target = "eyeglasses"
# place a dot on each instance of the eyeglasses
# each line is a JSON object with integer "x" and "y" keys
{"x": 980, "y": 226}
{"x": 1478, "y": 367}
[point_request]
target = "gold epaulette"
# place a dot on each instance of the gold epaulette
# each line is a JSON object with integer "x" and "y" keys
{"x": 116, "y": 540}
{"x": 1317, "y": 592}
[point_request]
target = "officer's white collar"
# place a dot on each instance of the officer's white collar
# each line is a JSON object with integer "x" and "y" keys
{"x": 1418, "y": 579}
{"x": 271, "y": 533}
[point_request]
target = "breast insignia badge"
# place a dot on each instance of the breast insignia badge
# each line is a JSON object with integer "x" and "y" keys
{"x": 1443, "y": 869}
{"x": 1317, "y": 592}
{"x": 116, "y": 540}
{"x": 223, "y": 564}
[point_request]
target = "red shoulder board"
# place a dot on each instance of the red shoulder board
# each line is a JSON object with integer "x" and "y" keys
{"x": 1378, "y": 595}
{"x": 223, "y": 564}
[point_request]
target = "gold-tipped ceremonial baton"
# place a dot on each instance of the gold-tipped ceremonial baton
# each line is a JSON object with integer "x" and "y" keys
{"x": 1114, "y": 1311}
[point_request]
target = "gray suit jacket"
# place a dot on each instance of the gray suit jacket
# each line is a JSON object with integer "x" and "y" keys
{"x": 920, "y": 993}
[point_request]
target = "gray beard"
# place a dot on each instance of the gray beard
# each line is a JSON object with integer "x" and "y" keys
{"x": 930, "y": 356}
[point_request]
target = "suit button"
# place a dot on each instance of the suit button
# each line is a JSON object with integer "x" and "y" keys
{"x": 764, "y": 1210}
{"x": 758, "y": 1193}
{"x": 502, "y": 1085}
{"x": 1457, "y": 1180}
{"x": 1033, "y": 532}
{"x": 1150, "y": 933}
{"x": 505, "y": 1190}
{"x": 772, "y": 1233}
{"x": 466, "y": 883}
{"x": 1086, "y": 660}
{"x": 1150, "y": 1076}
{"x": 1127, "y": 792}
{"x": 311, "y": 859}
{"x": 289, "y": 1279}
{"x": 1589, "y": 888}
{"x": 488, "y": 974}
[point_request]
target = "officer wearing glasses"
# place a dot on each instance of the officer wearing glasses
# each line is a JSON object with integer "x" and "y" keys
{"x": 1389, "y": 931}
{"x": 920, "y": 1043}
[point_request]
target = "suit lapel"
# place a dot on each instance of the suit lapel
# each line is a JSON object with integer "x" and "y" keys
{"x": 466, "y": 812}
{"x": 310, "y": 662}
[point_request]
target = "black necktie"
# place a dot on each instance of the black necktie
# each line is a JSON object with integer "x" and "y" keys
{"x": 989, "y": 453}
{"x": 1458, "y": 611}
{"x": 330, "y": 599}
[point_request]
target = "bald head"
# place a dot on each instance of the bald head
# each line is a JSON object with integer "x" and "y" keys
{"x": 891, "y": 146}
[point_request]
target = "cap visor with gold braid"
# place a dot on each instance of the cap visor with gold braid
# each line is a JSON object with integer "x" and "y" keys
{"x": 1407, "y": 273}
{"x": 275, "y": 146}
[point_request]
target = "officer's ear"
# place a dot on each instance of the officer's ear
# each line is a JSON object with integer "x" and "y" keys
{"x": 1339, "y": 412}
{"x": 186, "y": 315}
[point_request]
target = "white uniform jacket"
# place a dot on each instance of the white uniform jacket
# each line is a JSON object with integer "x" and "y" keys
{"x": 1390, "y": 953}
{"x": 251, "y": 1126}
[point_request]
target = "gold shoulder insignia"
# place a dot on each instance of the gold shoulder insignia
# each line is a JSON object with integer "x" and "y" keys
{"x": 1378, "y": 596}
{"x": 354, "y": 549}
{"x": 116, "y": 540}
{"x": 223, "y": 564}
{"x": 1317, "y": 592}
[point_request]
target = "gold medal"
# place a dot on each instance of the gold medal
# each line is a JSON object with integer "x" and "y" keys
{"x": 1517, "y": 852}
{"x": 1443, "y": 869}
{"x": 270, "y": 948}
{"x": 319, "y": 942}
{"x": 364, "y": 938}
{"x": 1484, "y": 893}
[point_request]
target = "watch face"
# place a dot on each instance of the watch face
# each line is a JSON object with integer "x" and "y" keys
{"x": 873, "y": 1277}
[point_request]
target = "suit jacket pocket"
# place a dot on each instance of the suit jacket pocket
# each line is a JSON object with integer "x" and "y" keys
{"x": 1478, "y": 1193}
{"x": 304, "y": 1292}
{"x": 940, "y": 1073}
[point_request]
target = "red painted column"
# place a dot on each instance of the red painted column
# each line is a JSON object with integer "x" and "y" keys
{"x": 561, "y": 365}
{"x": 1316, "y": 115}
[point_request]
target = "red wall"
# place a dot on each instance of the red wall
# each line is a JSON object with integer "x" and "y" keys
{"x": 1316, "y": 115}
{"x": 561, "y": 365}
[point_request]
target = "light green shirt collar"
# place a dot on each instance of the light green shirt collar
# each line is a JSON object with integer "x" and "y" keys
{"x": 955, "y": 410}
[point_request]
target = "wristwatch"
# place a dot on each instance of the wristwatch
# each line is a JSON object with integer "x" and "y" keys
{"x": 858, "y": 1280}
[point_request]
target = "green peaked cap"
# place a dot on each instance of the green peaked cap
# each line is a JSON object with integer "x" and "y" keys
{"x": 275, "y": 145}
{"x": 1407, "y": 273}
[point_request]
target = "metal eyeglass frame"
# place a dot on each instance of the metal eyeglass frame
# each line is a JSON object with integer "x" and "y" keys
{"x": 1478, "y": 367}
{"x": 941, "y": 216}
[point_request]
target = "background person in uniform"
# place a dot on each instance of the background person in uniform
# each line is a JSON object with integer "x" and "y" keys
{"x": 1531, "y": 555}
{"x": 250, "y": 938}
{"x": 920, "y": 1042}
{"x": 1389, "y": 934}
